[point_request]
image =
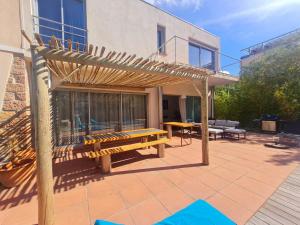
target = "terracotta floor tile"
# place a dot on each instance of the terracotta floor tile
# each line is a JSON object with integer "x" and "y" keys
{"x": 148, "y": 212}
{"x": 135, "y": 194}
{"x": 156, "y": 183}
{"x": 68, "y": 198}
{"x": 228, "y": 175}
{"x": 242, "y": 196}
{"x": 255, "y": 186}
{"x": 174, "y": 199}
{"x": 105, "y": 206}
{"x": 96, "y": 189}
{"x": 25, "y": 214}
{"x": 213, "y": 181}
{"x": 196, "y": 189}
{"x": 75, "y": 215}
{"x": 265, "y": 178}
{"x": 238, "y": 213}
{"x": 174, "y": 175}
{"x": 122, "y": 218}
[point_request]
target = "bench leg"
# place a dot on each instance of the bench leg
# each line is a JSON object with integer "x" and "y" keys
{"x": 106, "y": 164}
{"x": 144, "y": 139}
{"x": 161, "y": 150}
{"x": 169, "y": 129}
{"x": 97, "y": 147}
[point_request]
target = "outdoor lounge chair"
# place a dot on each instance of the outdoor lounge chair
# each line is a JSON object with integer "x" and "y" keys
{"x": 103, "y": 222}
{"x": 197, "y": 213}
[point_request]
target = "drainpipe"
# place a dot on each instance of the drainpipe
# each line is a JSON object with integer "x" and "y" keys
{"x": 21, "y": 21}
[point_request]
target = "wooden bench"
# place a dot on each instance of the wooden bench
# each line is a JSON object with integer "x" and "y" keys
{"x": 103, "y": 156}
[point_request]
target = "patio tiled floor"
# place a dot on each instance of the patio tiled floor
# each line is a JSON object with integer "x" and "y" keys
{"x": 143, "y": 189}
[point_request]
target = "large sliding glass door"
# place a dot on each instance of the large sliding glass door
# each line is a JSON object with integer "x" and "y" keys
{"x": 193, "y": 106}
{"x": 81, "y": 113}
{"x": 105, "y": 112}
{"x": 133, "y": 111}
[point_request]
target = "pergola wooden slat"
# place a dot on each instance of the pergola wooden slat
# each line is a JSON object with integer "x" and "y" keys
{"x": 94, "y": 68}
{"x": 113, "y": 68}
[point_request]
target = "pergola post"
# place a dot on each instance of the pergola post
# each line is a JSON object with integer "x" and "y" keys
{"x": 43, "y": 145}
{"x": 160, "y": 107}
{"x": 204, "y": 121}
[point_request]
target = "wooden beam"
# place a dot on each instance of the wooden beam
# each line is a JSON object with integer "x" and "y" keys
{"x": 102, "y": 86}
{"x": 43, "y": 143}
{"x": 204, "y": 121}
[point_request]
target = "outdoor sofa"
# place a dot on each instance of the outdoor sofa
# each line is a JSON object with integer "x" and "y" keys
{"x": 226, "y": 128}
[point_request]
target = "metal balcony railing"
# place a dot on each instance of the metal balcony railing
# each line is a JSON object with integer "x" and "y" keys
{"x": 176, "y": 50}
{"x": 268, "y": 44}
{"x": 63, "y": 32}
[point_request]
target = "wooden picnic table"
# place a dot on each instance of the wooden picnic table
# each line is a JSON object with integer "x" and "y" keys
{"x": 122, "y": 135}
{"x": 104, "y": 154}
{"x": 182, "y": 126}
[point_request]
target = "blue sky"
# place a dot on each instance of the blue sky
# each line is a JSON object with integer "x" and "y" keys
{"x": 239, "y": 23}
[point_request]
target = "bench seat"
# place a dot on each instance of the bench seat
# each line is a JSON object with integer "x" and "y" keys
{"x": 105, "y": 154}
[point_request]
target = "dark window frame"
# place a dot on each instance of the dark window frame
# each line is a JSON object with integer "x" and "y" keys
{"x": 161, "y": 39}
{"x": 201, "y": 48}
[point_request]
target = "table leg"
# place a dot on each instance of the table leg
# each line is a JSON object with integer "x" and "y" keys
{"x": 191, "y": 135}
{"x": 181, "y": 135}
{"x": 169, "y": 129}
{"x": 160, "y": 149}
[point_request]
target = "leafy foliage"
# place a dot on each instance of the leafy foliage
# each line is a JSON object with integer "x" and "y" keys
{"x": 268, "y": 85}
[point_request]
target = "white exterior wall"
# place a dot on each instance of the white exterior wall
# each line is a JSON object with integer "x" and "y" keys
{"x": 131, "y": 26}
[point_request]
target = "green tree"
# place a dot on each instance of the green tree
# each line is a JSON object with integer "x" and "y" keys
{"x": 269, "y": 85}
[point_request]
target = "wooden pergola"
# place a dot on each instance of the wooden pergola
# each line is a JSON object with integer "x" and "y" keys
{"x": 93, "y": 67}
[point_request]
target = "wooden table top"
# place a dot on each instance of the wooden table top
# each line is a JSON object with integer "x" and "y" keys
{"x": 123, "y": 135}
{"x": 179, "y": 124}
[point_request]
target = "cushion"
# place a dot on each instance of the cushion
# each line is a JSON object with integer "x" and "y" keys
{"x": 220, "y": 123}
{"x": 215, "y": 131}
{"x": 211, "y": 122}
{"x": 235, "y": 131}
{"x": 231, "y": 123}
{"x": 102, "y": 222}
{"x": 198, "y": 213}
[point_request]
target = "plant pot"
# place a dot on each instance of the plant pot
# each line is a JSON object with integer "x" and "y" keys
{"x": 18, "y": 174}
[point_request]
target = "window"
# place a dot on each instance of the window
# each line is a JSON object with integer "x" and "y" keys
{"x": 66, "y": 19}
{"x": 193, "y": 109}
{"x": 81, "y": 113}
{"x": 201, "y": 57}
{"x": 161, "y": 39}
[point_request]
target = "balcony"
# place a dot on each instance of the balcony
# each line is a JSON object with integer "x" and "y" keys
{"x": 63, "y": 32}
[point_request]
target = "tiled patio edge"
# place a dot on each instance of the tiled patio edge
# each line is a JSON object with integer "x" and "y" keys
{"x": 283, "y": 207}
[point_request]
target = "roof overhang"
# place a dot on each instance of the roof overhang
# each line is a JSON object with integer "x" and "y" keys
{"x": 220, "y": 79}
{"x": 95, "y": 67}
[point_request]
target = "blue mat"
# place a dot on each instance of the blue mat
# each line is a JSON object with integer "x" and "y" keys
{"x": 198, "y": 213}
{"x": 102, "y": 222}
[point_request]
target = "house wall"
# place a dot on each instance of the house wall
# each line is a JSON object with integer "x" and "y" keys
{"x": 13, "y": 76}
{"x": 131, "y": 26}
{"x": 119, "y": 25}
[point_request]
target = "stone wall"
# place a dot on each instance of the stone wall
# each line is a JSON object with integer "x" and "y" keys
{"x": 15, "y": 92}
